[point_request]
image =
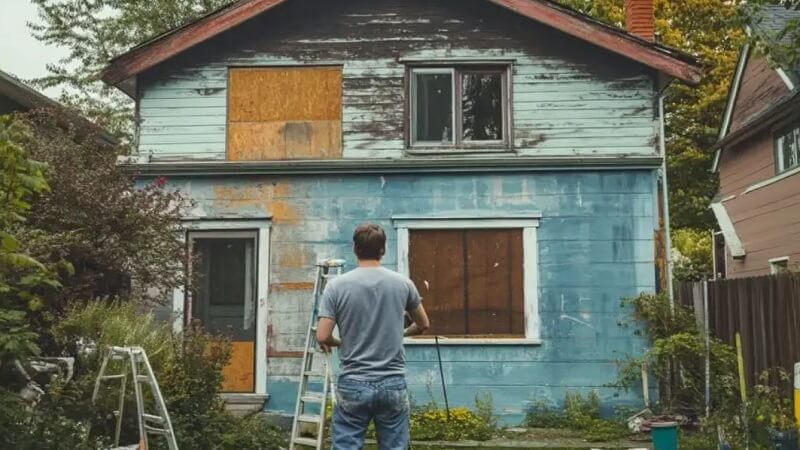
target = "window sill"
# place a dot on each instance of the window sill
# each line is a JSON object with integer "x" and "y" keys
{"x": 468, "y": 341}
{"x": 442, "y": 151}
{"x": 775, "y": 179}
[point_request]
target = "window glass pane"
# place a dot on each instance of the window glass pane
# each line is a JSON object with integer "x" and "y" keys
{"x": 789, "y": 148}
{"x": 434, "y": 107}
{"x": 482, "y": 105}
{"x": 224, "y": 290}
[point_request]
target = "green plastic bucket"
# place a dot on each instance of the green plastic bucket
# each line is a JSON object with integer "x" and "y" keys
{"x": 665, "y": 435}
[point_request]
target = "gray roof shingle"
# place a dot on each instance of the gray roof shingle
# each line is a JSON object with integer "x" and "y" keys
{"x": 769, "y": 21}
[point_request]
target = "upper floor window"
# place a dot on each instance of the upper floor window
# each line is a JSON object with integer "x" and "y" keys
{"x": 787, "y": 149}
{"x": 459, "y": 107}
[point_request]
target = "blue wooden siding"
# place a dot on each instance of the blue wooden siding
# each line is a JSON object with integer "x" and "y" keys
{"x": 595, "y": 246}
{"x": 569, "y": 98}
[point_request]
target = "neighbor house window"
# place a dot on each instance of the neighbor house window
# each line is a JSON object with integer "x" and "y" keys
{"x": 779, "y": 265}
{"x": 787, "y": 149}
{"x": 459, "y": 107}
{"x": 477, "y": 278}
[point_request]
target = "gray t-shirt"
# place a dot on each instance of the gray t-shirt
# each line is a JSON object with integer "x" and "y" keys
{"x": 368, "y": 305}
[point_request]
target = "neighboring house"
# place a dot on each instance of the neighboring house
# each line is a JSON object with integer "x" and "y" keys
{"x": 512, "y": 149}
{"x": 758, "y": 160}
{"x": 17, "y": 97}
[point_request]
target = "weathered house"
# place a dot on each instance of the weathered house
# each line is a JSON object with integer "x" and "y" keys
{"x": 511, "y": 148}
{"x": 758, "y": 160}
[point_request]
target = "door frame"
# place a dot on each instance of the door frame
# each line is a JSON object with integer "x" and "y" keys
{"x": 262, "y": 228}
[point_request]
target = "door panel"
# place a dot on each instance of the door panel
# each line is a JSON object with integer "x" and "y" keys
{"x": 224, "y": 299}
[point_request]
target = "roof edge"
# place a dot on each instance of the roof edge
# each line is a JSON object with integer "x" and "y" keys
{"x": 578, "y": 25}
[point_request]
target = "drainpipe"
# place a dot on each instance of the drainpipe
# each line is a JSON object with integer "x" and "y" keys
{"x": 664, "y": 188}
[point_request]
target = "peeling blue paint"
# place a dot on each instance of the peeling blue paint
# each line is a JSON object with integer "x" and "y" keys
{"x": 595, "y": 246}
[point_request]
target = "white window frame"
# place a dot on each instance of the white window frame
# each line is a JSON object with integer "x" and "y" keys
{"x": 779, "y": 161}
{"x": 530, "y": 251}
{"x": 457, "y": 144}
{"x": 235, "y": 228}
{"x": 774, "y": 264}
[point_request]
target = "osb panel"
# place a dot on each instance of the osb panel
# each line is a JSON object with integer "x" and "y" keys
{"x": 238, "y": 375}
{"x": 254, "y": 141}
{"x": 285, "y": 94}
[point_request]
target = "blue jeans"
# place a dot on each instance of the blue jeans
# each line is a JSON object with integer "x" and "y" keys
{"x": 358, "y": 402}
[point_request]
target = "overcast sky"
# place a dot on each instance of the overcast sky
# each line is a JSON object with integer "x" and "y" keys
{"x": 20, "y": 53}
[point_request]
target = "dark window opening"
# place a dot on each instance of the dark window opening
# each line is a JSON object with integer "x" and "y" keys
{"x": 459, "y": 107}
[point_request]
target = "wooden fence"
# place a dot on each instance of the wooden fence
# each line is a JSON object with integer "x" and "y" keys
{"x": 764, "y": 310}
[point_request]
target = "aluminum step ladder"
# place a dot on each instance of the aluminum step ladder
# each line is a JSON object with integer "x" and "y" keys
{"x": 142, "y": 374}
{"x": 319, "y": 371}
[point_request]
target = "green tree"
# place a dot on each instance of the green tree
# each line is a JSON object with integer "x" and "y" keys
{"x": 21, "y": 276}
{"x": 710, "y": 31}
{"x": 94, "y": 32}
{"x": 119, "y": 240}
{"x": 783, "y": 46}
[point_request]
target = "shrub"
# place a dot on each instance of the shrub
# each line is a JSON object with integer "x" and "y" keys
{"x": 189, "y": 371}
{"x": 676, "y": 356}
{"x": 431, "y": 423}
{"x": 579, "y": 414}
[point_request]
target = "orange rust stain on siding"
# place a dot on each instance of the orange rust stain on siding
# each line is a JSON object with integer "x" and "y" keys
{"x": 292, "y": 286}
{"x": 269, "y": 198}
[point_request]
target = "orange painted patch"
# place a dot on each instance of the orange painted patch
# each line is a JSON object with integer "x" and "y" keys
{"x": 292, "y": 286}
{"x": 269, "y": 198}
{"x": 239, "y": 374}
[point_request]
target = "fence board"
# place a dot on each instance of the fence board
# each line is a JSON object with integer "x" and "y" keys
{"x": 764, "y": 310}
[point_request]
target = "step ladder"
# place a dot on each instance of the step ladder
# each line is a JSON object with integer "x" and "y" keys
{"x": 142, "y": 374}
{"x": 319, "y": 371}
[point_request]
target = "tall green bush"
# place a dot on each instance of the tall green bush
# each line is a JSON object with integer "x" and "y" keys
{"x": 676, "y": 356}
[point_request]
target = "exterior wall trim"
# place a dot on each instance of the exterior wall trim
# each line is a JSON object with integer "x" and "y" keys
{"x": 142, "y": 167}
{"x": 785, "y": 77}
{"x": 732, "y": 240}
{"x": 262, "y": 233}
{"x": 772, "y": 180}
{"x": 530, "y": 250}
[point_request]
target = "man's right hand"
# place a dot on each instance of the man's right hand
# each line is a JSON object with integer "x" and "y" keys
{"x": 421, "y": 322}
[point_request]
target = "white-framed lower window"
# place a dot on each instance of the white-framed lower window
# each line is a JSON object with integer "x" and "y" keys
{"x": 779, "y": 265}
{"x": 478, "y": 277}
{"x": 230, "y": 276}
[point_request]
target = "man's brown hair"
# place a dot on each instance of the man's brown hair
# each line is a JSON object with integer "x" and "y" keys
{"x": 369, "y": 242}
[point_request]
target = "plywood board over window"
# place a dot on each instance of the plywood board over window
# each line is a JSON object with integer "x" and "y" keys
{"x": 284, "y": 113}
{"x": 471, "y": 280}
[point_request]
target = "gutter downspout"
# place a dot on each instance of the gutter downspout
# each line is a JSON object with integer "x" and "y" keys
{"x": 665, "y": 192}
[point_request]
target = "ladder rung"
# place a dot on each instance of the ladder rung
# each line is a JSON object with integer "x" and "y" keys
{"x": 308, "y": 442}
{"x": 143, "y": 379}
{"x": 312, "y": 397}
{"x": 153, "y": 430}
{"x": 113, "y": 377}
{"x": 315, "y": 374}
{"x": 307, "y": 418}
{"x": 158, "y": 419}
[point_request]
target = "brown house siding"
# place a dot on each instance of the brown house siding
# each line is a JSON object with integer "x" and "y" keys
{"x": 761, "y": 86}
{"x": 767, "y": 220}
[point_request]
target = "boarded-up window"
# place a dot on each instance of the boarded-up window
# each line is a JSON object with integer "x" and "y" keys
{"x": 284, "y": 113}
{"x": 471, "y": 281}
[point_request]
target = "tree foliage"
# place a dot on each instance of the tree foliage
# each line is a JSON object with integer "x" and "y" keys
{"x": 117, "y": 240}
{"x": 710, "y": 31}
{"x": 94, "y": 32}
{"x": 783, "y": 47}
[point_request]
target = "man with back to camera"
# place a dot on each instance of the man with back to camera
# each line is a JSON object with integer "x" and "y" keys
{"x": 369, "y": 305}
